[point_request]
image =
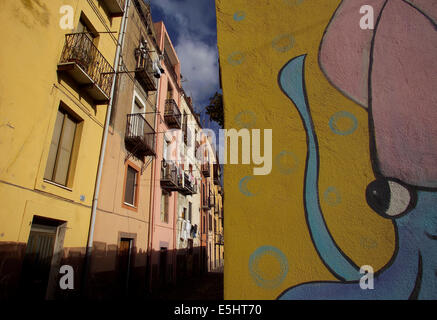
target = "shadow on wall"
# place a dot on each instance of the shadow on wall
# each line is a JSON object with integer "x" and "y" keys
{"x": 113, "y": 274}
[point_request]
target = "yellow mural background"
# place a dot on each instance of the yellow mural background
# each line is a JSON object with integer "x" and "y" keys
{"x": 275, "y": 216}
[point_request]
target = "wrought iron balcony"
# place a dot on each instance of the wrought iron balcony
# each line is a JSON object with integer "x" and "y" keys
{"x": 211, "y": 200}
{"x": 114, "y": 7}
{"x": 206, "y": 170}
{"x": 219, "y": 240}
{"x": 85, "y": 64}
{"x": 221, "y": 214}
{"x": 145, "y": 73}
{"x": 171, "y": 179}
{"x": 205, "y": 202}
{"x": 172, "y": 115}
{"x": 216, "y": 174}
{"x": 185, "y": 129}
{"x": 188, "y": 187}
{"x": 170, "y": 69}
{"x": 140, "y": 136}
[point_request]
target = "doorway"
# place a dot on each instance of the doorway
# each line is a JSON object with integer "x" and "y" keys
{"x": 124, "y": 263}
{"x": 42, "y": 257}
{"x": 163, "y": 266}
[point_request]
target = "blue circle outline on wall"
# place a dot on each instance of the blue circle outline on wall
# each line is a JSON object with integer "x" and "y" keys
{"x": 245, "y": 124}
{"x": 277, "y": 47}
{"x": 232, "y": 60}
{"x": 340, "y": 115}
{"x": 326, "y": 196}
{"x": 239, "y": 16}
{"x": 283, "y": 169}
{"x": 255, "y": 273}
{"x": 242, "y": 185}
{"x": 368, "y": 243}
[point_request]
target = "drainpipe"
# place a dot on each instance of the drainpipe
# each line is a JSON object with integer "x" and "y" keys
{"x": 158, "y": 127}
{"x": 104, "y": 140}
{"x": 152, "y": 192}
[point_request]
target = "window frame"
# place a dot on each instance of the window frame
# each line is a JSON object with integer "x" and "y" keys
{"x": 165, "y": 214}
{"x": 126, "y": 205}
{"x": 67, "y": 113}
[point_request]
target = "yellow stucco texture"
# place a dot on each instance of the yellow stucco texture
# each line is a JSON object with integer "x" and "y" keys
{"x": 30, "y": 93}
{"x": 255, "y": 41}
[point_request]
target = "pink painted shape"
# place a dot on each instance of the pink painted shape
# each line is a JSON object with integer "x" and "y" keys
{"x": 404, "y": 95}
{"x": 345, "y": 50}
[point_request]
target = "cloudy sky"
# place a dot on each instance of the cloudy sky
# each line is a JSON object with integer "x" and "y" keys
{"x": 191, "y": 25}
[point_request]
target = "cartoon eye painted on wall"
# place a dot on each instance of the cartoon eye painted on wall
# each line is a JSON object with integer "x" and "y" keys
{"x": 389, "y": 198}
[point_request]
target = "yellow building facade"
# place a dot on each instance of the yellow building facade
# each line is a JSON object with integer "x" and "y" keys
{"x": 57, "y": 70}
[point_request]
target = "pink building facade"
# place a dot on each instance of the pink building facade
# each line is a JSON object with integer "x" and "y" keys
{"x": 164, "y": 198}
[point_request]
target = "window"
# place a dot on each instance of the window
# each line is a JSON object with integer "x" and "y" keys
{"x": 210, "y": 222}
{"x": 130, "y": 190}
{"x": 190, "y": 208}
{"x": 164, "y": 207}
{"x": 169, "y": 91}
{"x": 166, "y": 150}
{"x": 204, "y": 225}
{"x": 184, "y": 213}
{"x": 85, "y": 27}
{"x": 61, "y": 148}
{"x": 185, "y": 128}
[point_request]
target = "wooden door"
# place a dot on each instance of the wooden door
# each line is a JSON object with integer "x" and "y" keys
{"x": 37, "y": 260}
{"x": 124, "y": 256}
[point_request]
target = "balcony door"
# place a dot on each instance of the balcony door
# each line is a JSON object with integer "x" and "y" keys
{"x": 83, "y": 49}
{"x": 124, "y": 263}
{"x": 137, "y": 126}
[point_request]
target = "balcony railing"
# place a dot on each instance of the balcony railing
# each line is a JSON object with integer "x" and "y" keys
{"x": 172, "y": 115}
{"x": 82, "y": 60}
{"x": 114, "y": 7}
{"x": 216, "y": 174}
{"x": 185, "y": 129}
{"x": 145, "y": 73}
{"x": 211, "y": 200}
{"x": 140, "y": 136}
{"x": 188, "y": 187}
{"x": 220, "y": 239}
{"x": 170, "y": 178}
{"x": 205, "y": 201}
{"x": 206, "y": 170}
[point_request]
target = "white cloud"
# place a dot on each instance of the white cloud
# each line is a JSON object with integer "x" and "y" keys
{"x": 199, "y": 64}
{"x": 195, "y": 43}
{"x": 192, "y": 16}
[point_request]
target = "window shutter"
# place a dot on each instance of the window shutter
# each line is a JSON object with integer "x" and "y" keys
{"x": 65, "y": 149}
{"x": 50, "y": 166}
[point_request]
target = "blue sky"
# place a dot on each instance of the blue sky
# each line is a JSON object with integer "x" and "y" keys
{"x": 191, "y": 25}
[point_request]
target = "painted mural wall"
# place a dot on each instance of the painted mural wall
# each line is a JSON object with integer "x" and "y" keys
{"x": 348, "y": 89}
